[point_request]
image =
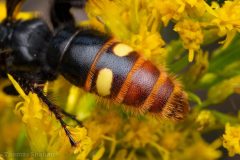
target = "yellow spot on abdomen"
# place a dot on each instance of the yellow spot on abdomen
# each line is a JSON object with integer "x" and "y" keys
{"x": 104, "y": 82}
{"x": 122, "y": 50}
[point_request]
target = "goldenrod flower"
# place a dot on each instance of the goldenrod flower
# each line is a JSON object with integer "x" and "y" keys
{"x": 169, "y": 10}
{"x": 138, "y": 134}
{"x": 43, "y": 130}
{"x": 135, "y": 22}
{"x": 205, "y": 119}
{"x": 227, "y": 17}
{"x": 200, "y": 150}
{"x": 191, "y": 34}
{"x": 185, "y": 145}
{"x": 102, "y": 125}
{"x": 231, "y": 139}
{"x": 171, "y": 141}
{"x": 178, "y": 9}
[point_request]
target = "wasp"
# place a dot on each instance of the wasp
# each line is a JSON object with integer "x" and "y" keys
{"x": 89, "y": 59}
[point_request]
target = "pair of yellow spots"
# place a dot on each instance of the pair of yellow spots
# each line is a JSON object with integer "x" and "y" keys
{"x": 105, "y": 75}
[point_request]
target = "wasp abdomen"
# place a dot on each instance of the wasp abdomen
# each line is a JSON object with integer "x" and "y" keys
{"x": 113, "y": 70}
{"x": 125, "y": 77}
{"x": 73, "y": 52}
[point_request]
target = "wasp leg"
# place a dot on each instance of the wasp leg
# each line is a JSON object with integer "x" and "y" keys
{"x": 30, "y": 86}
{"x": 57, "y": 112}
{"x": 73, "y": 117}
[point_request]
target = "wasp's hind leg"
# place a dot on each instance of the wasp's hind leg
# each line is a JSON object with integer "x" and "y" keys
{"x": 73, "y": 117}
{"x": 57, "y": 112}
{"x": 31, "y": 86}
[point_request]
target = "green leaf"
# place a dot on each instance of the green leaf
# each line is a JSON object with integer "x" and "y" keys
{"x": 222, "y": 90}
{"x": 226, "y": 57}
{"x": 177, "y": 58}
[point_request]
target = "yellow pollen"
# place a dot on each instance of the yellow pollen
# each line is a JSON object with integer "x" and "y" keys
{"x": 104, "y": 82}
{"x": 122, "y": 50}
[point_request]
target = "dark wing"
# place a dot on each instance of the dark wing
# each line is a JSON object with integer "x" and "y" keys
{"x": 13, "y": 8}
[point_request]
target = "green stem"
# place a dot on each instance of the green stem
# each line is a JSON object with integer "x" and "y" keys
{"x": 204, "y": 104}
{"x": 225, "y": 118}
{"x": 163, "y": 152}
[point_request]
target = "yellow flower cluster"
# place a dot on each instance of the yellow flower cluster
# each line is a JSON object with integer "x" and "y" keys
{"x": 130, "y": 138}
{"x": 227, "y": 17}
{"x": 131, "y": 21}
{"x": 231, "y": 139}
{"x": 191, "y": 35}
{"x": 139, "y": 22}
{"x": 44, "y": 132}
{"x": 205, "y": 119}
{"x": 138, "y": 134}
{"x": 202, "y": 151}
{"x": 178, "y": 9}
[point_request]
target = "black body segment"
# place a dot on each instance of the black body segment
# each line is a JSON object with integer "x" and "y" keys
{"x": 57, "y": 47}
{"x": 3, "y": 35}
{"x": 79, "y": 56}
{"x": 25, "y": 42}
